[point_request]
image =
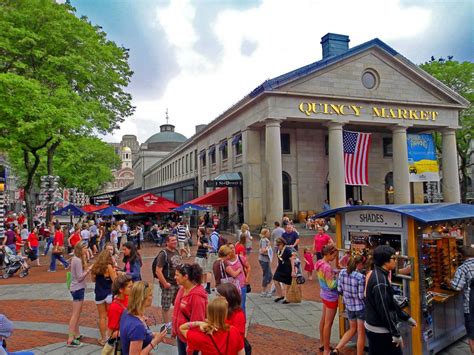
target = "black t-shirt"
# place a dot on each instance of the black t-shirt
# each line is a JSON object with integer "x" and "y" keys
{"x": 291, "y": 238}
{"x": 202, "y": 251}
{"x": 169, "y": 260}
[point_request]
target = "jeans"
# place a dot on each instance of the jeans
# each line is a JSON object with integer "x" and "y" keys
{"x": 267, "y": 273}
{"x": 381, "y": 343}
{"x": 243, "y": 294}
{"x": 55, "y": 257}
{"x": 49, "y": 241}
{"x": 101, "y": 244}
{"x": 12, "y": 248}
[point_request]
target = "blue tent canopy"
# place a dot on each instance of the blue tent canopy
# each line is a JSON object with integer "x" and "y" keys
{"x": 426, "y": 213}
{"x": 113, "y": 211}
{"x": 189, "y": 207}
{"x": 69, "y": 210}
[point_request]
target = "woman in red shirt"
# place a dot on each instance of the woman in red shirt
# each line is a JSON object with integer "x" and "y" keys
{"x": 240, "y": 245}
{"x": 215, "y": 336}
{"x": 191, "y": 301}
{"x": 33, "y": 244}
{"x": 58, "y": 251}
{"x": 121, "y": 289}
{"x": 235, "y": 315}
{"x": 18, "y": 242}
{"x": 75, "y": 237}
{"x": 320, "y": 241}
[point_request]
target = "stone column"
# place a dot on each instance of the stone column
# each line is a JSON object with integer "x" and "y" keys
{"x": 337, "y": 185}
{"x": 451, "y": 188}
{"x": 274, "y": 183}
{"x": 401, "y": 178}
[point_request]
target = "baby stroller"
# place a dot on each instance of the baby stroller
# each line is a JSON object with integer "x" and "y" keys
{"x": 13, "y": 263}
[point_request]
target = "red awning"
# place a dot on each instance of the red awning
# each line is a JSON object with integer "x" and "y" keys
{"x": 93, "y": 208}
{"x": 216, "y": 198}
{"x": 149, "y": 203}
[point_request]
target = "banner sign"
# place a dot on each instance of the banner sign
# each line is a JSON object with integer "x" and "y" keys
{"x": 422, "y": 162}
{"x": 368, "y": 218}
{"x": 222, "y": 183}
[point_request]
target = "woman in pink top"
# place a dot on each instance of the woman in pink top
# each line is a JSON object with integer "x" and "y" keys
{"x": 239, "y": 264}
{"x": 320, "y": 241}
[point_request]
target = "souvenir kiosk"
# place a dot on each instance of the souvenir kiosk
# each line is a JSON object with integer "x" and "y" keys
{"x": 426, "y": 238}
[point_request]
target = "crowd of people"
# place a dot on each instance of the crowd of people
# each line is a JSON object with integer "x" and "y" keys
{"x": 110, "y": 257}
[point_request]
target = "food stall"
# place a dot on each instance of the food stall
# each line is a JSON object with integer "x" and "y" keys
{"x": 426, "y": 238}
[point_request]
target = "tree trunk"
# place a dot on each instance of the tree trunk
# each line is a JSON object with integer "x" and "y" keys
{"x": 50, "y": 156}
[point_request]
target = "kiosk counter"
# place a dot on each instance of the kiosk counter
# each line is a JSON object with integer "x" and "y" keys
{"x": 427, "y": 238}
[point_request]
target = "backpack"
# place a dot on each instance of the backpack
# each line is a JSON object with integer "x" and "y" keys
{"x": 221, "y": 241}
{"x": 155, "y": 263}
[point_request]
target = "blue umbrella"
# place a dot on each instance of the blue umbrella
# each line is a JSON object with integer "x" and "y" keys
{"x": 112, "y": 211}
{"x": 189, "y": 207}
{"x": 69, "y": 210}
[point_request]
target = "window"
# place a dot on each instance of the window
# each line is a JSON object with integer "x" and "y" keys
{"x": 285, "y": 143}
{"x": 326, "y": 145}
{"x": 223, "y": 149}
{"x": 237, "y": 143}
{"x": 187, "y": 166}
{"x": 212, "y": 155}
{"x": 203, "y": 160}
{"x": 387, "y": 147}
{"x": 286, "y": 191}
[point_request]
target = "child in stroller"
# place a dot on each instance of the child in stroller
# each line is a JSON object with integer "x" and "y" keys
{"x": 13, "y": 263}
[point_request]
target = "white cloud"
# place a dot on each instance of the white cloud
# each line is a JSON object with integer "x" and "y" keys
{"x": 286, "y": 34}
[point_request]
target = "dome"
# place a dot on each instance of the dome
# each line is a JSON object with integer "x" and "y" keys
{"x": 166, "y": 135}
{"x": 126, "y": 150}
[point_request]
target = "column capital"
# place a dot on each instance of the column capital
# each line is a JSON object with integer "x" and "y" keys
{"x": 334, "y": 125}
{"x": 399, "y": 129}
{"x": 448, "y": 131}
{"x": 273, "y": 122}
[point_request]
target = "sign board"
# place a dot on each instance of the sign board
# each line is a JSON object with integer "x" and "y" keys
{"x": 369, "y": 218}
{"x": 422, "y": 161}
{"x": 222, "y": 183}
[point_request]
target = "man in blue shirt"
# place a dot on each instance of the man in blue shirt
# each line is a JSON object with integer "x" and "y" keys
{"x": 291, "y": 236}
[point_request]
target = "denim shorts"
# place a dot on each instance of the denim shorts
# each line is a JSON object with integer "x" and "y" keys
{"x": 78, "y": 295}
{"x": 356, "y": 315}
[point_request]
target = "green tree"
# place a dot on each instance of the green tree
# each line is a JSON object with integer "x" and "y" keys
{"x": 459, "y": 77}
{"x": 59, "y": 78}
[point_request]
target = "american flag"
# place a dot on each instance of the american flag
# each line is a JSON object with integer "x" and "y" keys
{"x": 356, "y": 152}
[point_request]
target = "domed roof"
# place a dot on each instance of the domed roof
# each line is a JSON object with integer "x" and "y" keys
{"x": 163, "y": 137}
{"x": 166, "y": 135}
{"x": 126, "y": 150}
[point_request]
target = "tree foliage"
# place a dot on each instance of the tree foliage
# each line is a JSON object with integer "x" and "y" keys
{"x": 60, "y": 78}
{"x": 459, "y": 77}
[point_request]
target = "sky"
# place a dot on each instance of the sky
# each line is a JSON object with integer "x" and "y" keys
{"x": 196, "y": 58}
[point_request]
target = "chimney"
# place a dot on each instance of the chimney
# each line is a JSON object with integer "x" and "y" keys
{"x": 334, "y": 44}
{"x": 200, "y": 127}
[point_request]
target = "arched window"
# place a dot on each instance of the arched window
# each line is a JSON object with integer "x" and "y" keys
{"x": 286, "y": 191}
{"x": 389, "y": 192}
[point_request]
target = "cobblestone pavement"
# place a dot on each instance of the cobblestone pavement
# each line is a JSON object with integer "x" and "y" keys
{"x": 40, "y": 307}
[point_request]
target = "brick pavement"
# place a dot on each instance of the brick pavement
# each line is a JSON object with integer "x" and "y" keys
{"x": 41, "y": 301}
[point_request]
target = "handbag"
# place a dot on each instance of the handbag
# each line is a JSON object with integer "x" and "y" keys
{"x": 58, "y": 250}
{"x": 300, "y": 280}
{"x": 228, "y": 279}
{"x": 247, "y": 347}
{"x": 249, "y": 288}
{"x": 294, "y": 292}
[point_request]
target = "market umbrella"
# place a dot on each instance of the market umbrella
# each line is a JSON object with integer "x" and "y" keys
{"x": 93, "y": 208}
{"x": 113, "y": 211}
{"x": 189, "y": 207}
{"x": 69, "y": 210}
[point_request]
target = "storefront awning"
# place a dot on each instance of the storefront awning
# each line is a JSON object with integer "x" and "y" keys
{"x": 223, "y": 145}
{"x": 216, "y": 198}
{"x": 93, "y": 208}
{"x": 236, "y": 139}
{"x": 426, "y": 213}
{"x": 225, "y": 180}
{"x": 149, "y": 203}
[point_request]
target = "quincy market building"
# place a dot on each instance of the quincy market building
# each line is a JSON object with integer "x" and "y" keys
{"x": 280, "y": 148}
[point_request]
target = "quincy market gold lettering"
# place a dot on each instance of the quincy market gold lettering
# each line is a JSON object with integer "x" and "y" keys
{"x": 310, "y": 108}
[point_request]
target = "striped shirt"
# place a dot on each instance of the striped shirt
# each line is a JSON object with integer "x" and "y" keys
{"x": 352, "y": 289}
{"x": 462, "y": 279}
{"x": 181, "y": 234}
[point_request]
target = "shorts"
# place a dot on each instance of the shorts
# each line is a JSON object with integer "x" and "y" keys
{"x": 78, "y": 296}
{"x": 107, "y": 300}
{"x": 92, "y": 241}
{"x": 181, "y": 245}
{"x": 469, "y": 324}
{"x": 168, "y": 295}
{"x": 330, "y": 304}
{"x": 204, "y": 264}
{"x": 356, "y": 315}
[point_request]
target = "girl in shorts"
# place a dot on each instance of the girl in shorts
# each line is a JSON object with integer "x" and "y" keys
{"x": 329, "y": 295}
{"x": 103, "y": 274}
{"x": 79, "y": 272}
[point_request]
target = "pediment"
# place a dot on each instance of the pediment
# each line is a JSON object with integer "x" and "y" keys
{"x": 398, "y": 81}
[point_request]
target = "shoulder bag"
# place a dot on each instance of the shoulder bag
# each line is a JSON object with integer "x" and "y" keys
{"x": 228, "y": 279}
{"x": 249, "y": 288}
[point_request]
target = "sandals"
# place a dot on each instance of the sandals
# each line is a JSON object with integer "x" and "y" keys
{"x": 74, "y": 344}
{"x": 278, "y": 299}
{"x": 321, "y": 349}
{"x": 334, "y": 352}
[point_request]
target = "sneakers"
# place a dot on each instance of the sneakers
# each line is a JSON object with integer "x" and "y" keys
{"x": 74, "y": 344}
{"x": 263, "y": 294}
{"x": 67, "y": 266}
{"x": 51, "y": 270}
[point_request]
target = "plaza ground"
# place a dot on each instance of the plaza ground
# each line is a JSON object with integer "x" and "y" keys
{"x": 40, "y": 305}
